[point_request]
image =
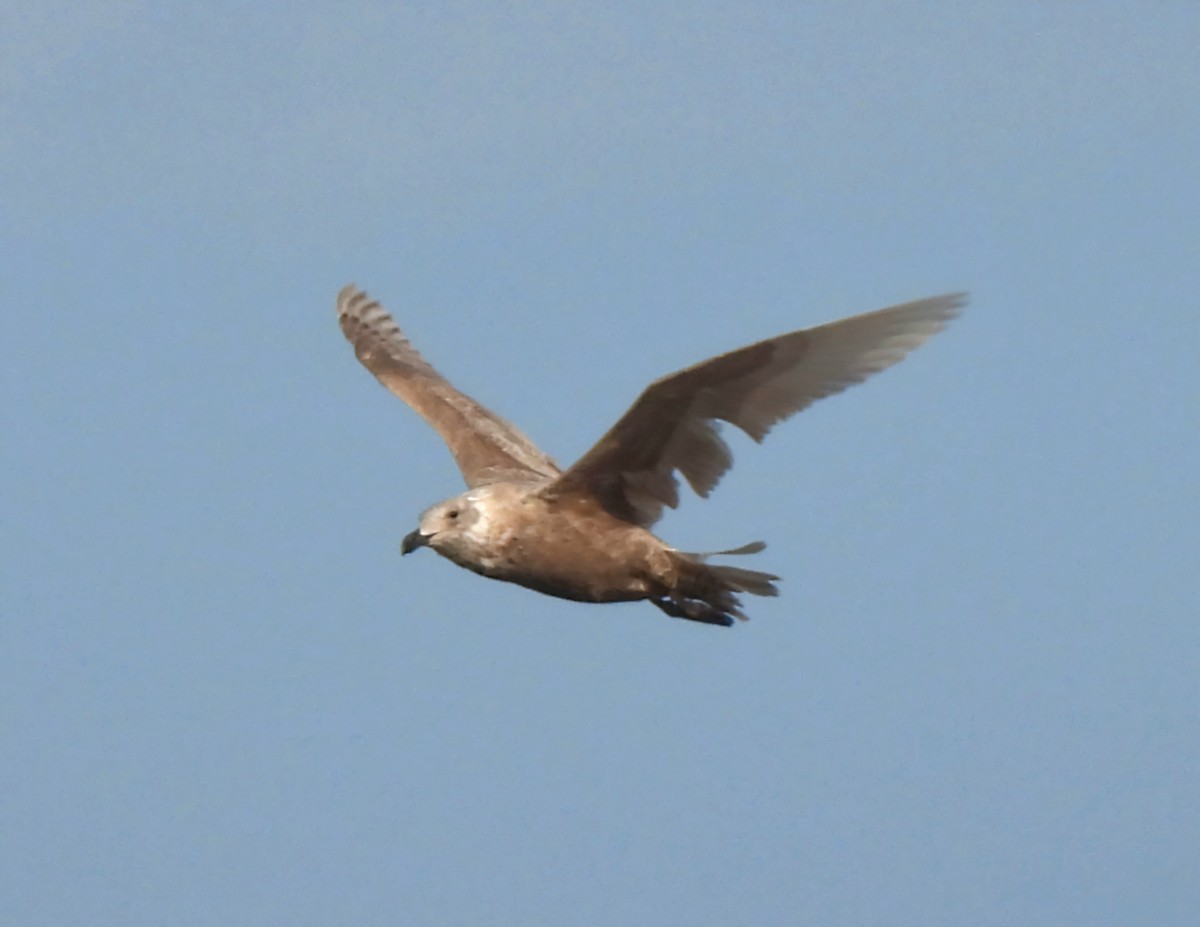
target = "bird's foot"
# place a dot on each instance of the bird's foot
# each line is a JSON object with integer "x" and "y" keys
{"x": 694, "y": 610}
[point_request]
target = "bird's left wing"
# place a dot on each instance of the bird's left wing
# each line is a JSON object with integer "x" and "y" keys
{"x": 486, "y": 448}
{"x": 673, "y": 426}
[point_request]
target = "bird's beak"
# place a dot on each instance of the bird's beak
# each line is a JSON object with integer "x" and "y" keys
{"x": 414, "y": 540}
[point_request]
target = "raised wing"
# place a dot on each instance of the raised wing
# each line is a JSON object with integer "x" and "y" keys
{"x": 486, "y": 448}
{"x": 675, "y": 423}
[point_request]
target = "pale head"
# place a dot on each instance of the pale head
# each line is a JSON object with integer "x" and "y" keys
{"x": 460, "y": 528}
{"x": 440, "y": 522}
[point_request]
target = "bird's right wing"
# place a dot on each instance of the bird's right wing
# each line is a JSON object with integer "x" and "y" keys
{"x": 673, "y": 426}
{"x": 486, "y": 448}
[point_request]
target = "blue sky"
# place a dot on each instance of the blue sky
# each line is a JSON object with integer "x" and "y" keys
{"x": 227, "y": 700}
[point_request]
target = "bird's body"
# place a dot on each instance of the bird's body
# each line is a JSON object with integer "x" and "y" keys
{"x": 582, "y": 534}
{"x": 570, "y": 548}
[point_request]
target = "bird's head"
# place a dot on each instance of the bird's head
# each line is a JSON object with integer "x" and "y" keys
{"x": 447, "y": 527}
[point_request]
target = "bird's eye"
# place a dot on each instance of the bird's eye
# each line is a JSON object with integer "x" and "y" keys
{"x": 452, "y": 514}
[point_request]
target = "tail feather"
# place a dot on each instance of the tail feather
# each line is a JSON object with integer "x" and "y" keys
{"x": 751, "y": 581}
{"x": 753, "y": 547}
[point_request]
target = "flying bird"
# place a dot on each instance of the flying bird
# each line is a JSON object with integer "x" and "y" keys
{"x": 583, "y": 533}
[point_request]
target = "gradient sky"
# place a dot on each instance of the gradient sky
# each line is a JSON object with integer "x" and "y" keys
{"x": 225, "y": 698}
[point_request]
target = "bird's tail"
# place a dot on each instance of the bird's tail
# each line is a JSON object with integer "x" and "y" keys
{"x": 751, "y": 581}
{"x": 708, "y": 593}
{"x": 737, "y": 578}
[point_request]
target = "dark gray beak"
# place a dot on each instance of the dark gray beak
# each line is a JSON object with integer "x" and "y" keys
{"x": 414, "y": 540}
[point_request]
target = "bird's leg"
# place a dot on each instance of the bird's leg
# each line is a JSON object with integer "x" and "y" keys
{"x": 693, "y": 610}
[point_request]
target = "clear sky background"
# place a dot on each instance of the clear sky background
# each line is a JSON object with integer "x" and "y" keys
{"x": 226, "y": 700}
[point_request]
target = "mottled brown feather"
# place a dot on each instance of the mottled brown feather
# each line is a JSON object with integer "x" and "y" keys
{"x": 674, "y": 425}
{"x": 486, "y": 447}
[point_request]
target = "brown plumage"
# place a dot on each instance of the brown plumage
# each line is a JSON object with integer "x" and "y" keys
{"x": 583, "y": 533}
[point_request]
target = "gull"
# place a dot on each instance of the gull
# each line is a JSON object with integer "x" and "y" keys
{"x": 583, "y": 533}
